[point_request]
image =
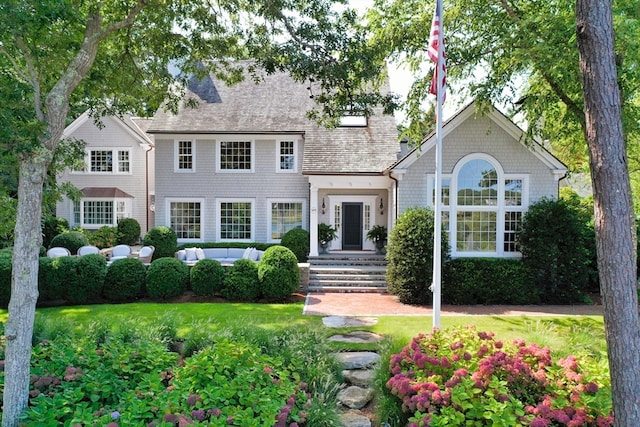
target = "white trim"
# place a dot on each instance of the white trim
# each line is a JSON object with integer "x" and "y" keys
{"x": 251, "y": 201}
{"x": 295, "y": 155}
{"x": 176, "y": 155}
{"x": 302, "y": 201}
{"x": 115, "y": 164}
{"x": 114, "y": 212}
{"x": 219, "y": 141}
{"x": 338, "y": 200}
{"x": 167, "y": 203}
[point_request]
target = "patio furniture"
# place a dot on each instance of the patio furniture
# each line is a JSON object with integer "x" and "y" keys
{"x": 88, "y": 249}
{"x": 57, "y": 252}
{"x": 120, "y": 252}
{"x": 145, "y": 254}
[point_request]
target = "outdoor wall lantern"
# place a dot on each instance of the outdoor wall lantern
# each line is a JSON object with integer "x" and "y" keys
{"x": 323, "y": 206}
{"x": 381, "y": 207}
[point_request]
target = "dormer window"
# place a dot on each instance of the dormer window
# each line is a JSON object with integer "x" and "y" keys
{"x": 353, "y": 121}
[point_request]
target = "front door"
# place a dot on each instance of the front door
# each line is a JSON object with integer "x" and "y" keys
{"x": 352, "y": 226}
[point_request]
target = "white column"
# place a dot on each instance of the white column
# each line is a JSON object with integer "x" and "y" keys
{"x": 313, "y": 221}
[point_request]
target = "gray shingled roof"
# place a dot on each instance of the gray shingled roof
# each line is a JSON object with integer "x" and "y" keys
{"x": 278, "y": 105}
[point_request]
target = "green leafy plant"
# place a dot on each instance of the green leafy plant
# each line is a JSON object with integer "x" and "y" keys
{"x": 125, "y": 280}
{"x": 461, "y": 376}
{"x": 326, "y": 233}
{"x": 71, "y": 240}
{"x": 51, "y": 227}
{"x": 278, "y": 273}
{"x": 297, "y": 240}
{"x": 163, "y": 239}
{"x": 90, "y": 273}
{"x": 241, "y": 281}
{"x": 377, "y": 233}
{"x": 104, "y": 237}
{"x": 167, "y": 278}
{"x": 128, "y": 231}
{"x": 207, "y": 277}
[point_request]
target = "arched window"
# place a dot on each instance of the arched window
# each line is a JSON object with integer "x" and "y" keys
{"x": 482, "y": 207}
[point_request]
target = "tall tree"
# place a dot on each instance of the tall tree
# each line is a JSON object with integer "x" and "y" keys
{"x": 524, "y": 54}
{"x": 614, "y": 220}
{"x": 59, "y": 57}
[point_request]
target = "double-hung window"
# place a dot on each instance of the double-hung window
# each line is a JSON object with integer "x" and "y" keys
{"x": 235, "y": 156}
{"x": 285, "y": 215}
{"x": 185, "y": 218}
{"x": 235, "y": 219}
{"x": 106, "y": 161}
{"x": 287, "y": 156}
{"x": 184, "y": 155}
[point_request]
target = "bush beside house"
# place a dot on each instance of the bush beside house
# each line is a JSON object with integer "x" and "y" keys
{"x": 164, "y": 239}
{"x": 297, "y": 240}
{"x": 278, "y": 273}
{"x": 167, "y": 278}
{"x": 241, "y": 281}
{"x": 128, "y": 231}
{"x": 207, "y": 277}
{"x": 72, "y": 240}
{"x": 125, "y": 280}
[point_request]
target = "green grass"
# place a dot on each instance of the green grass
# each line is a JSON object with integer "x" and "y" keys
{"x": 563, "y": 334}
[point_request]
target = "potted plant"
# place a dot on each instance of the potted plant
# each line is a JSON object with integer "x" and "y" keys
{"x": 378, "y": 235}
{"x": 326, "y": 234}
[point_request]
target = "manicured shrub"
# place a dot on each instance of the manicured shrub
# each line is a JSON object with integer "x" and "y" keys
{"x": 553, "y": 241}
{"x": 464, "y": 377}
{"x": 241, "y": 281}
{"x": 278, "y": 273}
{"x": 91, "y": 271}
{"x": 62, "y": 275}
{"x": 128, "y": 231}
{"x": 71, "y": 240}
{"x": 163, "y": 239}
{"x": 298, "y": 241}
{"x": 5, "y": 281}
{"x": 125, "y": 280}
{"x": 51, "y": 227}
{"x": 488, "y": 281}
{"x": 167, "y": 278}
{"x": 104, "y": 237}
{"x": 44, "y": 267}
{"x": 207, "y": 277}
{"x": 410, "y": 256}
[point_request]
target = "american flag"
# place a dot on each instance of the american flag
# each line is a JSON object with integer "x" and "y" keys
{"x": 436, "y": 50}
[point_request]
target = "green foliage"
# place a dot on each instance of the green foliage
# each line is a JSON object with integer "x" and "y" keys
{"x": 241, "y": 281}
{"x": 207, "y": 277}
{"x": 243, "y": 245}
{"x": 61, "y": 275}
{"x": 125, "y": 280}
{"x": 5, "y": 280}
{"x": 51, "y": 227}
{"x": 128, "y": 231}
{"x": 471, "y": 281}
{"x": 104, "y": 237}
{"x": 464, "y": 377}
{"x": 163, "y": 239}
{"x": 377, "y": 233}
{"x": 167, "y": 278}
{"x": 278, "y": 273}
{"x": 89, "y": 281}
{"x": 555, "y": 241}
{"x": 297, "y": 240}
{"x": 410, "y": 256}
{"x": 71, "y": 240}
{"x": 326, "y": 233}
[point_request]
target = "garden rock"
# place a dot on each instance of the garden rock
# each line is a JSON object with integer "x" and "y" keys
{"x": 343, "y": 322}
{"x": 357, "y": 337}
{"x": 359, "y": 377}
{"x": 358, "y": 359}
{"x": 355, "y": 397}
{"x": 354, "y": 419}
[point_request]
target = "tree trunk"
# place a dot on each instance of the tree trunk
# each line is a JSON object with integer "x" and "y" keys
{"x": 613, "y": 207}
{"x": 24, "y": 287}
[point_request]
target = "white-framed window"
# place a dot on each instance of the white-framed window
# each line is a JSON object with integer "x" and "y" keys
{"x": 286, "y": 156}
{"x": 285, "y": 215}
{"x": 235, "y": 219}
{"x": 184, "y": 154}
{"x": 483, "y": 207}
{"x": 185, "y": 218}
{"x": 234, "y": 156}
{"x": 106, "y": 161}
{"x": 93, "y": 213}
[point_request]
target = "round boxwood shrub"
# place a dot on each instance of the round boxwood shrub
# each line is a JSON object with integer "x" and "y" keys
{"x": 91, "y": 271}
{"x": 62, "y": 274}
{"x": 167, "y": 278}
{"x": 71, "y": 240}
{"x": 128, "y": 231}
{"x": 241, "y": 281}
{"x": 278, "y": 273}
{"x": 104, "y": 237}
{"x": 298, "y": 241}
{"x": 207, "y": 277}
{"x": 5, "y": 281}
{"x": 163, "y": 239}
{"x": 51, "y": 227}
{"x": 125, "y": 280}
{"x": 410, "y": 256}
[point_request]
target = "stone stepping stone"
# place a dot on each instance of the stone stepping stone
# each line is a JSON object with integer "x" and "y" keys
{"x": 355, "y": 397}
{"x": 355, "y": 419}
{"x": 343, "y": 321}
{"x": 357, "y": 337}
{"x": 359, "y": 377}
{"x": 357, "y": 359}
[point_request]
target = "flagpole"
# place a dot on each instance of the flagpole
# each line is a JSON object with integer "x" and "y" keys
{"x": 436, "y": 286}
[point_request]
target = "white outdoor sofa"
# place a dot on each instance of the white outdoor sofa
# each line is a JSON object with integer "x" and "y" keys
{"x": 226, "y": 256}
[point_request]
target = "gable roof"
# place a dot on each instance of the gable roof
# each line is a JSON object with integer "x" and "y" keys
{"x": 126, "y": 122}
{"x": 277, "y": 105}
{"x": 469, "y": 111}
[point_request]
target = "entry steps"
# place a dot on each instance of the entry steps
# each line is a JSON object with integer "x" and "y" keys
{"x": 348, "y": 272}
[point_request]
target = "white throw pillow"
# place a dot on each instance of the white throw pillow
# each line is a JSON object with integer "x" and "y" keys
{"x": 191, "y": 254}
{"x": 182, "y": 255}
{"x": 253, "y": 256}
{"x": 200, "y": 254}
{"x": 247, "y": 253}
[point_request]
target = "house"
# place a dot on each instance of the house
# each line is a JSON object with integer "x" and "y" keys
{"x": 490, "y": 176}
{"x": 248, "y": 165}
{"x": 117, "y": 178}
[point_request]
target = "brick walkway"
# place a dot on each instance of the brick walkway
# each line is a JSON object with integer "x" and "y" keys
{"x": 371, "y": 304}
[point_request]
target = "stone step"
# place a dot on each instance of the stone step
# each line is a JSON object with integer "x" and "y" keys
{"x": 321, "y": 277}
{"x": 348, "y": 289}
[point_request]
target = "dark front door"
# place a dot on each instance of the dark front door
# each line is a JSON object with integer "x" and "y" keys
{"x": 352, "y": 226}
